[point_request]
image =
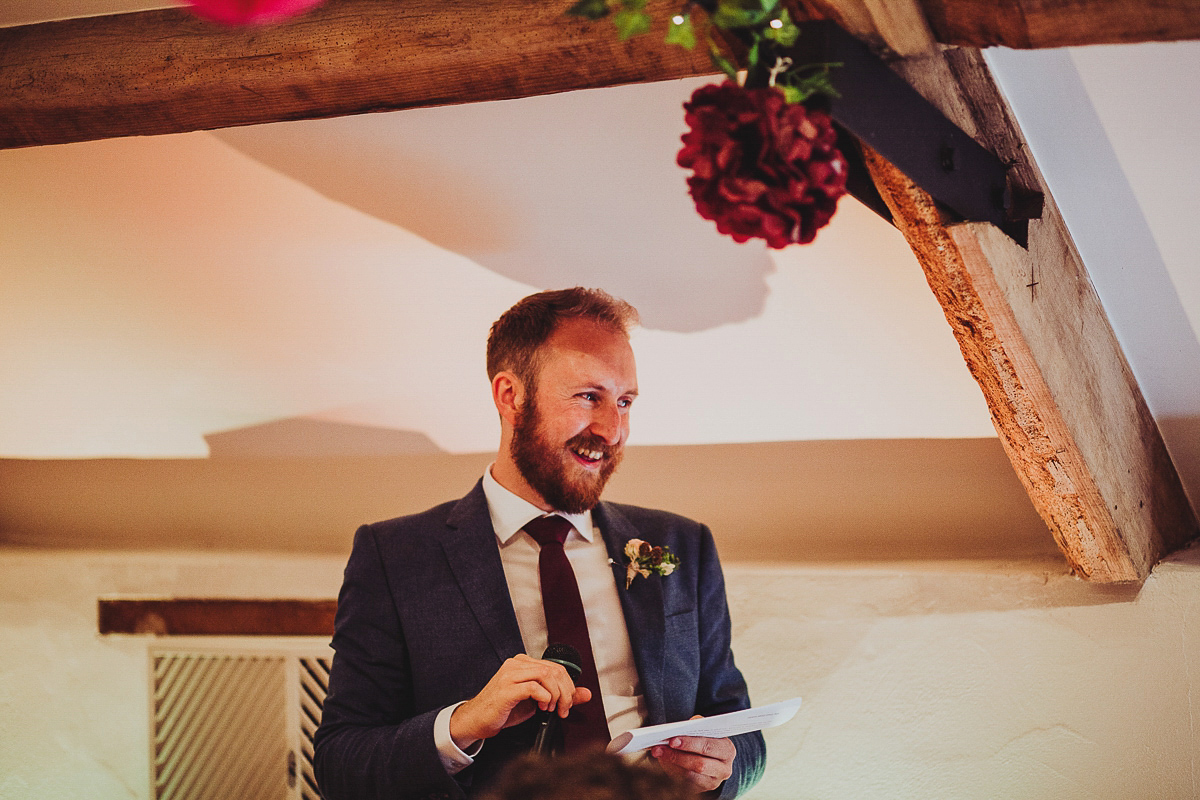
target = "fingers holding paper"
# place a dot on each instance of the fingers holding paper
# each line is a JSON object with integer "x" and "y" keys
{"x": 705, "y": 763}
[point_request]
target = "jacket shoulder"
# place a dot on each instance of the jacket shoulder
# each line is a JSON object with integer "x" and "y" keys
{"x": 430, "y": 518}
{"x": 468, "y": 510}
{"x": 641, "y": 517}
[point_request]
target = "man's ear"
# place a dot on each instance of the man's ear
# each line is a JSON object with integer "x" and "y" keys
{"x": 508, "y": 393}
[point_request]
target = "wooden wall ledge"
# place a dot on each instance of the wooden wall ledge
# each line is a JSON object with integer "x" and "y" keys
{"x": 216, "y": 617}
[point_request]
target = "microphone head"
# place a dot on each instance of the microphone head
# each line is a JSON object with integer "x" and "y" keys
{"x": 567, "y": 656}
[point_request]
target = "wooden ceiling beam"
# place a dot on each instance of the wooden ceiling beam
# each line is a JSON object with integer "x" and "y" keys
{"x": 166, "y": 71}
{"x": 1029, "y": 24}
{"x": 1036, "y": 338}
{"x": 1020, "y": 24}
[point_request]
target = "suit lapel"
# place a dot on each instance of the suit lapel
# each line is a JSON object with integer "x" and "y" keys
{"x": 642, "y": 603}
{"x": 470, "y": 547}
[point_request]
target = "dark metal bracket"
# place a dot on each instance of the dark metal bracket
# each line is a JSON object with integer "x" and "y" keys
{"x": 879, "y": 108}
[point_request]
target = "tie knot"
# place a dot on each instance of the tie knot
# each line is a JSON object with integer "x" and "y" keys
{"x": 548, "y": 529}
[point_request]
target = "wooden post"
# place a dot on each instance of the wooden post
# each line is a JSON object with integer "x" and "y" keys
{"x": 1036, "y": 338}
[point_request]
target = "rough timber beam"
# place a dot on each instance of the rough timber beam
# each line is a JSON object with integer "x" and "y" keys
{"x": 1021, "y": 24}
{"x": 1026, "y": 24}
{"x": 168, "y": 72}
{"x": 1034, "y": 335}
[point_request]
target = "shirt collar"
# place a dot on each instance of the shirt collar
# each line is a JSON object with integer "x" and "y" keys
{"x": 510, "y": 513}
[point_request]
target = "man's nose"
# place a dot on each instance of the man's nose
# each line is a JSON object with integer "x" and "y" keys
{"x": 607, "y": 424}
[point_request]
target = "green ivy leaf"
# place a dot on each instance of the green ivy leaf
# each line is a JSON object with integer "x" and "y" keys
{"x": 592, "y": 9}
{"x": 752, "y": 56}
{"x": 743, "y": 13}
{"x": 681, "y": 33}
{"x": 721, "y": 62}
{"x": 815, "y": 80}
{"x": 631, "y": 23}
{"x": 786, "y": 34}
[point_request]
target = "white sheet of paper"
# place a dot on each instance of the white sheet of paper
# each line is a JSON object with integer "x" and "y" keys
{"x": 718, "y": 727}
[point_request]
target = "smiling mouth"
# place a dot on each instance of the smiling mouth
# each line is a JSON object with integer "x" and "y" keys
{"x": 588, "y": 456}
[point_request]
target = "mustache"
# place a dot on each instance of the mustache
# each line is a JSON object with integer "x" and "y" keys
{"x": 589, "y": 441}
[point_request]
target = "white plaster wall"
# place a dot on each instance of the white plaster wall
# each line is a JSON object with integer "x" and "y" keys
{"x": 973, "y": 681}
{"x": 74, "y": 705}
{"x": 930, "y": 680}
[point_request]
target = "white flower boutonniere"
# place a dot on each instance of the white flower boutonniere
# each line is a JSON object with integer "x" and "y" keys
{"x": 646, "y": 559}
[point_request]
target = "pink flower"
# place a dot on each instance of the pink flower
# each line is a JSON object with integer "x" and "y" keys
{"x": 761, "y": 167}
{"x": 250, "y": 12}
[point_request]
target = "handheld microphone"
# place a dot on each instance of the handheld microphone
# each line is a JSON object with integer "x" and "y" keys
{"x": 548, "y": 740}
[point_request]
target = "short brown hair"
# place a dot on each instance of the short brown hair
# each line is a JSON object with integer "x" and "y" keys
{"x": 518, "y": 335}
{"x": 593, "y": 775}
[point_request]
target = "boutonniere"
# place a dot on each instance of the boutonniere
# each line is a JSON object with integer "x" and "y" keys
{"x": 646, "y": 559}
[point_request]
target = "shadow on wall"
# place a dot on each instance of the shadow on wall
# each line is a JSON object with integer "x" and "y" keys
{"x": 1182, "y": 437}
{"x": 301, "y": 437}
{"x": 774, "y": 503}
{"x": 500, "y": 183}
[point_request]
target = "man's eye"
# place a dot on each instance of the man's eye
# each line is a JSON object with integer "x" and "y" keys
{"x": 625, "y": 402}
{"x": 589, "y": 396}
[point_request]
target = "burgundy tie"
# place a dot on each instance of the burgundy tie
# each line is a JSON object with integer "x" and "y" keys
{"x": 566, "y": 623}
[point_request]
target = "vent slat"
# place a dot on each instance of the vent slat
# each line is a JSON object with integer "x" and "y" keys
{"x": 192, "y": 728}
{"x": 314, "y": 684}
{"x": 179, "y": 698}
{"x": 220, "y": 727}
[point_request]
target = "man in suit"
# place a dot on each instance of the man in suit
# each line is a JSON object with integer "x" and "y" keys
{"x": 441, "y": 614}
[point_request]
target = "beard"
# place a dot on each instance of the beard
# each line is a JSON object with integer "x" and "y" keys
{"x": 547, "y": 466}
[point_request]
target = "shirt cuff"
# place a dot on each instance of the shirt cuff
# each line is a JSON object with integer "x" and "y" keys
{"x": 453, "y": 759}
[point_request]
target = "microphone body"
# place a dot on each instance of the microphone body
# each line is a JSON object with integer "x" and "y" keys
{"x": 549, "y": 738}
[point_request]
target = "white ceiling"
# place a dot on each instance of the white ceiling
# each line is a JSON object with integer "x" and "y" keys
{"x": 169, "y": 287}
{"x": 159, "y": 289}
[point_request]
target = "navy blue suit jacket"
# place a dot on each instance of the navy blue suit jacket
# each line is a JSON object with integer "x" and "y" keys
{"x": 424, "y": 620}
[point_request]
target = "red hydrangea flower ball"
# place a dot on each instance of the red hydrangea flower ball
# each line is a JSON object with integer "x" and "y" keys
{"x": 761, "y": 167}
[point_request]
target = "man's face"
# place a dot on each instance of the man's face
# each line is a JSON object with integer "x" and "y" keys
{"x": 570, "y": 434}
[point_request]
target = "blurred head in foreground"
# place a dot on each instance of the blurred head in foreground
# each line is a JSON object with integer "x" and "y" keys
{"x": 593, "y": 775}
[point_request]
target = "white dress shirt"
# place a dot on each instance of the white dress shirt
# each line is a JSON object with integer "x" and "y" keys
{"x": 620, "y": 687}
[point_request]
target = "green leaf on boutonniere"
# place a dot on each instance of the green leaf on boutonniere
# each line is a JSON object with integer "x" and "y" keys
{"x": 592, "y": 9}
{"x": 631, "y": 23}
{"x": 681, "y": 33}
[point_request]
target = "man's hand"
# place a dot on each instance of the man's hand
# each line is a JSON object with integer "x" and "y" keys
{"x": 521, "y": 686}
{"x": 704, "y": 763}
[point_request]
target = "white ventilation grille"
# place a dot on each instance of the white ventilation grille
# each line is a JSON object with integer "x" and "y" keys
{"x": 314, "y": 685}
{"x": 236, "y": 725}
